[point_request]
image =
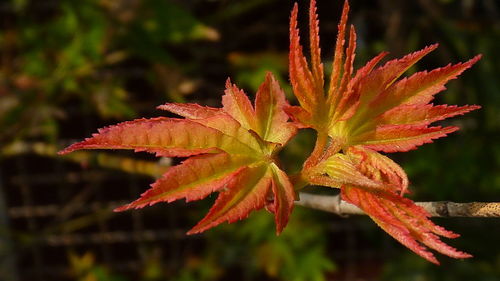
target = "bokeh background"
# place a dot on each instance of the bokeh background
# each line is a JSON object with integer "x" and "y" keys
{"x": 69, "y": 67}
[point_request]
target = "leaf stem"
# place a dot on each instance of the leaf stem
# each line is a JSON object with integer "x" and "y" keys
{"x": 319, "y": 149}
{"x": 298, "y": 181}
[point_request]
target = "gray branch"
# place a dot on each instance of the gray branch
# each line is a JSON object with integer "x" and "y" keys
{"x": 333, "y": 204}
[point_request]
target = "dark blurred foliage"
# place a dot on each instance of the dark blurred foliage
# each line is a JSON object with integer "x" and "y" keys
{"x": 69, "y": 67}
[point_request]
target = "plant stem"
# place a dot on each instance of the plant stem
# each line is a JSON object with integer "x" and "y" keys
{"x": 334, "y": 204}
{"x": 298, "y": 181}
{"x": 317, "y": 153}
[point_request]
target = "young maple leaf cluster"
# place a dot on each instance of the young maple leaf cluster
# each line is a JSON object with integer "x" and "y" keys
{"x": 233, "y": 150}
{"x": 370, "y": 111}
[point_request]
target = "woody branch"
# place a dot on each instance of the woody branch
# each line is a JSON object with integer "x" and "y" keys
{"x": 334, "y": 204}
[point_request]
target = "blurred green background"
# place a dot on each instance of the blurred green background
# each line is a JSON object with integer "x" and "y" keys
{"x": 69, "y": 67}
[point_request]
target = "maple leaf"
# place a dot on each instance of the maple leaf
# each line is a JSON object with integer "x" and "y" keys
{"x": 398, "y": 216}
{"x": 370, "y": 110}
{"x": 231, "y": 150}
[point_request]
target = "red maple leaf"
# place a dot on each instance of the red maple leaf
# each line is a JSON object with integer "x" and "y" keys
{"x": 231, "y": 150}
{"x": 369, "y": 111}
